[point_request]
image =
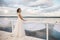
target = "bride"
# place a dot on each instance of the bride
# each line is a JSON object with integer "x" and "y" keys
{"x": 18, "y": 32}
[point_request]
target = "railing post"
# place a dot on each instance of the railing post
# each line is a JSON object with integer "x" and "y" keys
{"x": 12, "y": 25}
{"x": 47, "y": 33}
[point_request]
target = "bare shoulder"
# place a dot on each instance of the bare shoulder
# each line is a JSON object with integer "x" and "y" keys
{"x": 18, "y": 13}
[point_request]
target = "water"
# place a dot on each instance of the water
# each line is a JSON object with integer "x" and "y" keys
{"x": 32, "y": 26}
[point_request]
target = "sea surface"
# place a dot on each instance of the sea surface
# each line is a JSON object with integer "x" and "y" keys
{"x": 32, "y": 26}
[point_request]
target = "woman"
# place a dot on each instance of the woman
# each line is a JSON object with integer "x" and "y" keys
{"x": 18, "y": 30}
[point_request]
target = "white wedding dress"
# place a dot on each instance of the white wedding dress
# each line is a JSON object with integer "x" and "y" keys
{"x": 19, "y": 33}
{"x": 18, "y": 30}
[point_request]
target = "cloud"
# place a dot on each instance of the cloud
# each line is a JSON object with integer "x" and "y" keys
{"x": 26, "y": 5}
{"x": 52, "y": 9}
{"x": 40, "y": 2}
{"x": 1, "y": 2}
{"x": 28, "y": 2}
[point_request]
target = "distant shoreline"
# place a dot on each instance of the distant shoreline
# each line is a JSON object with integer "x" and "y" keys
{"x": 31, "y": 16}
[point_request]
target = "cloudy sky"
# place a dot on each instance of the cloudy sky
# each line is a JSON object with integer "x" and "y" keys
{"x": 31, "y": 6}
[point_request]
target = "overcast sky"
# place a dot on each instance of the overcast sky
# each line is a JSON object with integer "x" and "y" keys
{"x": 33, "y": 5}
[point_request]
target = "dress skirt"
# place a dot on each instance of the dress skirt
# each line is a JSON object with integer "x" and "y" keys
{"x": 19, "y": 30}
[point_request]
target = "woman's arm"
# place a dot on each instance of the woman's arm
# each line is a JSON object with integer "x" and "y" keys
{"x": 19, "y": 15}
